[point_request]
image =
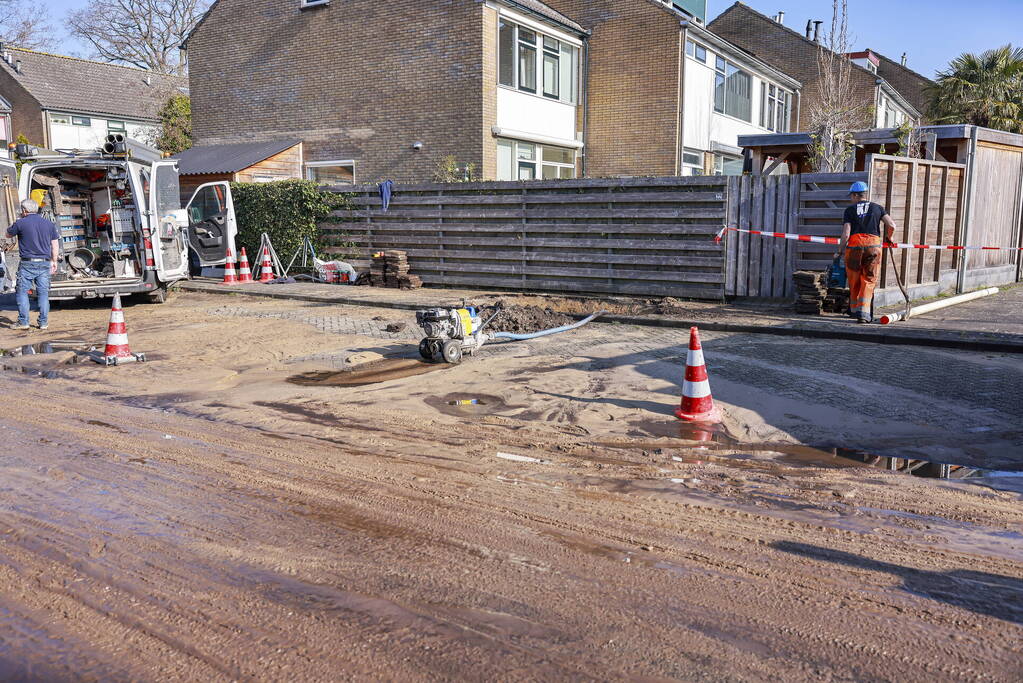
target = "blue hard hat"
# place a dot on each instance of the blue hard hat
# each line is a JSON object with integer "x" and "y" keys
{"x": 858, "y": 187}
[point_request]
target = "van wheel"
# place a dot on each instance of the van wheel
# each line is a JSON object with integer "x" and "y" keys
{"x": 158, "y": 296}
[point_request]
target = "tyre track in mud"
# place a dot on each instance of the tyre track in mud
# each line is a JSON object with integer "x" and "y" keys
{"x": 463, "y": 551}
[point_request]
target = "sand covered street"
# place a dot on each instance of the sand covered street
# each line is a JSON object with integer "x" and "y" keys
{"x": 285, "y": 492}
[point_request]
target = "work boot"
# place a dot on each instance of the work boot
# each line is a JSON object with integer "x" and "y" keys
{"x": 20, "y": 327}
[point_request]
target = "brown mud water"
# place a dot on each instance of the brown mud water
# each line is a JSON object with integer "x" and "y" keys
{"x": 463, "y": 405}
{"x": 371, "y": 373}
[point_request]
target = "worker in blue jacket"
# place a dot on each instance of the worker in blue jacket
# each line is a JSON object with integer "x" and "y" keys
{"x": 39, "y": 248}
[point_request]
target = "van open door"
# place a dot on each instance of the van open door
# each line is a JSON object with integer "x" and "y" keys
{"x": 9, "y": 212}
{"x": 170, "y": 251}
{"x": 211, "y": 223}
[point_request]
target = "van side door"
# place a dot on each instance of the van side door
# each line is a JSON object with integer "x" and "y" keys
{"x": 167, "y": 220}
{"x": 212, "y": 227}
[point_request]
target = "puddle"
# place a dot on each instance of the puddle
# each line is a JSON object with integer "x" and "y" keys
{"x": 370, "y": 373}
{"x": 463, "y": 405}
{"x": 716, "y": 439}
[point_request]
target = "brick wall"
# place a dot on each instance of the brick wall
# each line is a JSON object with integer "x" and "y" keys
{"x": 358, "y": 79}
{"x": 26, "y": 115}
{"x": 790, "y": 53}
{"x": 633, "y": 109}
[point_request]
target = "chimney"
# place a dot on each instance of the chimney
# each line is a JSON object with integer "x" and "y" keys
{"x": 809, "y": 28}
{"x": 817, "y": 31}
{"x": 781, "y": 17}
{"x": 903, "y": 59}
{"x": 149, "y": 79}
{"x": 17, "y": 65}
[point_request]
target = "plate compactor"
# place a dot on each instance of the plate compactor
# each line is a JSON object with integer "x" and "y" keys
{"x": 452, "y": 332}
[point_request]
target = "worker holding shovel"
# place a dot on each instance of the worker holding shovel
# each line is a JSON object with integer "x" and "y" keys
{"x": 861, "y": 243}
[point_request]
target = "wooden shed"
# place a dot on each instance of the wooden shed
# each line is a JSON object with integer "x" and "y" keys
{"x": 248, "y": 162}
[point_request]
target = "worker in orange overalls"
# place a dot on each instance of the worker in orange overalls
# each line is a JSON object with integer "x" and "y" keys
{"x": 861, "y": 242}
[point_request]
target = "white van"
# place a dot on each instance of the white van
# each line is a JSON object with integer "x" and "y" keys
{"x": 118, "y": 211}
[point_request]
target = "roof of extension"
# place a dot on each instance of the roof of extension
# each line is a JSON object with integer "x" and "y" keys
{"x": 229, "y": 158}
{"x": 81, "y": 86}
{"x": 547, "y": 11}
{"x": 911, "y": 84}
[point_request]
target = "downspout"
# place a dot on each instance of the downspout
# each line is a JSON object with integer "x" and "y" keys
{"x": 971, "y": 171}
{"x": 585, "y": 83}
{"x": 799, "y": 109}
{"x": 46, "y": 129}
{"x": 681, "y": 137}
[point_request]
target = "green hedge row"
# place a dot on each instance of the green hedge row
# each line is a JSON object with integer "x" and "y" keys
{"x": 288, "y": 211}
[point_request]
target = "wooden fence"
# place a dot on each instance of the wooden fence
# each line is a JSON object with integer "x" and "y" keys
{"x": 807, "y": 204}
{"x": 644, "y": 236}
{"x": 925, "y": 199}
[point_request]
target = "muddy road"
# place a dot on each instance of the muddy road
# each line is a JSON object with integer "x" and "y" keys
{"x": 239, "y": 508}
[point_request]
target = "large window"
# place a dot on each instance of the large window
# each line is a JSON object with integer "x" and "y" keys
{"x": 733, "y": 91}
{"x": 518, "y": 160}
{"x": 331, "y": 172}
{"x": 775, "y": 109}
{"x": 536, "y": 63}
{"x": 696, "y": 51}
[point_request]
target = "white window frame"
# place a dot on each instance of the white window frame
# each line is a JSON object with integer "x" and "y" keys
{"x": 88, "y": 120}
{"x": 537, "y": 162}
{"x": 312, "y": 3}
{"x": 781, "y": 97}
{"x": 60, "y": 119}
{"x": 568, "y": 93}
{"x": 122, "y": 129}
{"x": 720, "y": 72}
{"x": 310, "y": 165}
{"x": 695, "y": 52}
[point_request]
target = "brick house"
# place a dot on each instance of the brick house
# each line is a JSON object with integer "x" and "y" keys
{"x": 62, "y": 102}
{"x": 796, "y": 54}
{"x": 520, "y": 89}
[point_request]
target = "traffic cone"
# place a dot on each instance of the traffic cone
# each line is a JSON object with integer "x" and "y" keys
{"x": 117, "y": 350}
{"x": 697, "y": 403}
{"x": 266, "y": 270}
{"x": 244, "y": 273}
{"x": 229, "y": 276}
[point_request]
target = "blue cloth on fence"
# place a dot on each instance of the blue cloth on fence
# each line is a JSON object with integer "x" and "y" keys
{"x": 386, "y": 190}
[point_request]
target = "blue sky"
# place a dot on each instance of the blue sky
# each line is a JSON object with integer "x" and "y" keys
{"x": 931, "y": 31}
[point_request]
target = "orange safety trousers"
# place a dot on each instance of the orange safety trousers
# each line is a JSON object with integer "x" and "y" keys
{"x": 862, "y": 265}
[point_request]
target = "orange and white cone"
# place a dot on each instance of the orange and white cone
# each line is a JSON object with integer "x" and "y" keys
{"x": 229, "y": 275}
{"x": 697, "y": 403}
{"x": 117, "y": 333}
{"x": 244, "y": 272}
{"x": 266, "y": 270}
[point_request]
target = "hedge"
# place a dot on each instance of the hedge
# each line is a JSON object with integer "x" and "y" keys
{"x": 288, "y": 211}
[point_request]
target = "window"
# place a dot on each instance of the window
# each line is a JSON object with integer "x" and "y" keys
{"x": 692, "y": 157}
{"x": 775, "y": 109}
{"x": 725, "y": 164}
{"x": 696, "y": 51}
{"x": 168, "y": 193}
{"x": 518, "y": 160}
{"x": 551, "y": 68}
{"x": 527, "y": 60}
{"x": 536, "y": 63}
{"x": 732, "y": 90}
{"x": 331, "y": 172}
{"x": 506, "y": 53}
{"x": 207, "y": 203}
{"x": 60, "y": 119}
{"x": 115, "y": 126}
{"x": 81, "y": 121}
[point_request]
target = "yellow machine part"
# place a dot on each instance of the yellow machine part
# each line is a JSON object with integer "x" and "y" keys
{"x": 464, "y": 314}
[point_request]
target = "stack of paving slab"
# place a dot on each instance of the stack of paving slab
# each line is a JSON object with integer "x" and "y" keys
{"x": 810, "y": 291}
{"x": 391, "y": 269}
{"x": 837, "y": 300}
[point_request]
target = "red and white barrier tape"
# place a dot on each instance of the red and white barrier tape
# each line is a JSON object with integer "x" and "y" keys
{"x": 836, "y": 240}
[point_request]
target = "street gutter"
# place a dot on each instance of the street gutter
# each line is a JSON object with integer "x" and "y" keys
{"x": 875, "y": 334}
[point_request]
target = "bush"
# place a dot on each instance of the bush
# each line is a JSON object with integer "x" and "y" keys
{"x": 288, "y": 211}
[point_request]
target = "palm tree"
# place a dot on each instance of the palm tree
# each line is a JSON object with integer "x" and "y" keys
{"x": 984, "y": 90}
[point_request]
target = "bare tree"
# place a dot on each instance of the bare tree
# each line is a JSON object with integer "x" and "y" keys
{"x": 24, "y": 25}
{"x": 142, "y": 33}
{"x": 836, "y": 112}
